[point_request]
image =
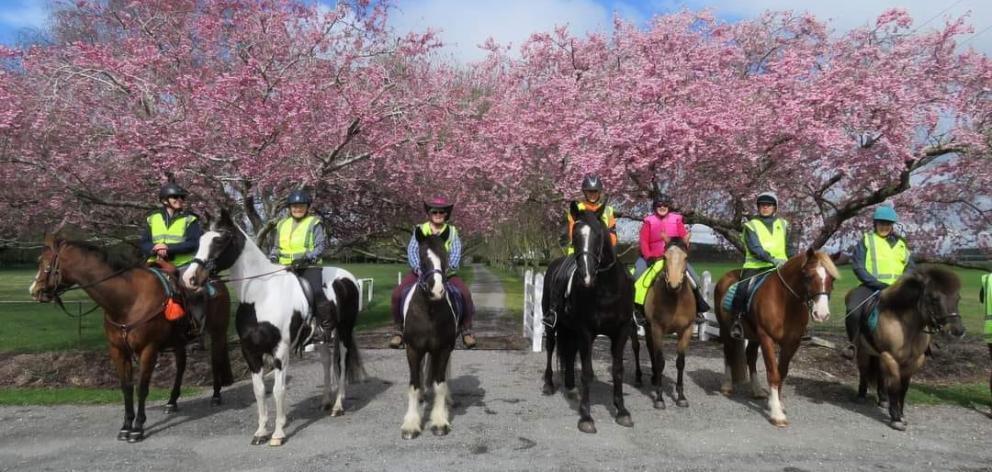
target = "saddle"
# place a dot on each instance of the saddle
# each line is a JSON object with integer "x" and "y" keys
{"x": 180, "y": 299}
{"x": 751, "y": 286}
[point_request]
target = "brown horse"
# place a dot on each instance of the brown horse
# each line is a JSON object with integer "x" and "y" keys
{"x": 778, "y": 314}
{"x": 133, "y": 300}
{"x": 669, "y": 307}
{"x": 890, "y": 352}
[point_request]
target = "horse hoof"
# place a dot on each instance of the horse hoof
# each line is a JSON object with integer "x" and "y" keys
{"x": 779, "y": 422}
{"x": 625, "y": 421}
{"x": 410, "y": 434}
{"x": 548, "y": 389}
{"x": 898, "y": 425}
{"x": 339, "y": 412}
{"x": 122, "y": 434}
{"x": 727, "y": 391}
{"x": 171, "y": 408}
{"x": 441, "y": 430}
{"x": 258, "y": 440}
{"x": 682, "y": 402}
{"x": 660, "y": 405}
{"x": 215, "y": 401}
{"x": 760, "y": 395}
{"x": 135, "y": 436}
{"x": 276, "y": 442}
{"x": 587, "y": 427}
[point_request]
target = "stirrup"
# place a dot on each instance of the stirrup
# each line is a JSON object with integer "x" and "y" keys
{"x": 737, "y": 330}
{"x": 551, "y": 315}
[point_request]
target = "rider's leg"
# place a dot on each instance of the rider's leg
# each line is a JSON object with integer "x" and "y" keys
{"x": 323, "y": 309}
{"x": 855, "y": 309}
{"x": 701, "y": 305}
{"x": 468, "y": 338}
{"x": 739, "y": 305}
{"x": 396, "y": 340}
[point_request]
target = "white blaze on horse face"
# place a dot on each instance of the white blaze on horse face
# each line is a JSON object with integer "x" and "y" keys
{"x": 202, "y": 253}
{"x": 437, "y": 287}
{"x": 821, "y": 304}
{"x": 34, "y": 282}
{"x": 587, "y": 277}
{"x": 675, "y": 267}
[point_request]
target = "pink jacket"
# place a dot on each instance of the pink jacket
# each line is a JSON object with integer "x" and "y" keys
{"x": 652, "y": 244}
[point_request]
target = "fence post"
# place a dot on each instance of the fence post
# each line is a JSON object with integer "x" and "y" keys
{"x": 538, "y": 312}
{"x": 528, "y": 300}
{"x": 709, "y": 316}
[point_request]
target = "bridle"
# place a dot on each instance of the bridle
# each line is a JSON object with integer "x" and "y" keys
{"x": 596, "y": 257}
{"x": 53, "y": 288}
{"x": 933, "y": 325}
{"x": 808, "y": 300}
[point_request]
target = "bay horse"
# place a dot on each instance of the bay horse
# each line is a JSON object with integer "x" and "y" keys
{"x": 892, "y": 349}
{"x": 598, "y": 300}
{"x": 133, "y": 300}
{"x": 430, "y": 327}
{"x": 670, "y": 307}
{"x": 778, "y": 313}
{"x": 273, "y": 315}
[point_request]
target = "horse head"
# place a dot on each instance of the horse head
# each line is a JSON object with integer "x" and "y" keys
{"x": 819, "y": 273}
{"x": 676, "y": 260}
{"x": 938, "y": 298}
{"x": 49, "y": 280}
{"x": 591, "y": 242}
{"x": 433, "y": 263}
{"x": 220, "y": 247}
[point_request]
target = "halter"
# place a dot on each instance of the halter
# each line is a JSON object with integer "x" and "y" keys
{"x": 809, "y": 297}
{"x": 930, "y": 319}
{"x": 425, "y": 276}
{"x": 597, "y": 258}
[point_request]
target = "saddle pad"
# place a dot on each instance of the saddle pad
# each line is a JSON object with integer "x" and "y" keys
{"x": 728, "y": 298}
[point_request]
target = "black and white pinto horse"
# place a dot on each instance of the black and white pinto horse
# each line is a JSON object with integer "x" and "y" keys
{"x": 273, "y": 313}
{"x": 430, "y": 328}
{"x": 599, "y": 299}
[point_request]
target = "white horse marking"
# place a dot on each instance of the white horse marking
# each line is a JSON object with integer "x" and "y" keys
{"x": 821, "y": 304}
{"x": 437, "y": 291}
{"x": 411, "y": 422}
{"x": 585, "y": 231}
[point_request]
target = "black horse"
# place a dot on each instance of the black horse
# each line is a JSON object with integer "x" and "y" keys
{"x": 598, "y": 299}
{"x": 429, "y": 330}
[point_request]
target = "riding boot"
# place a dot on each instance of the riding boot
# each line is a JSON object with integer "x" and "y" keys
{"x": 737, "y": 330}
{"x": 396, "y": 341}
{"x": 325, "y": 319}
{"x": 468, "y": 339}
{"x": 701, "y": 305}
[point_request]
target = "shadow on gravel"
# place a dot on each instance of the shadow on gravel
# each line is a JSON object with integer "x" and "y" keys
{"x": 198, "y": 408}
{"x": 466, "y": 392}
{"x": 835, "y": 393}
{"x": 308, "y": 411}
{"x": 710, "y": 381}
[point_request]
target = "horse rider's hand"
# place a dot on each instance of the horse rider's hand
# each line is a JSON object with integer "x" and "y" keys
{"x": 780, "y": 262}
{"x": 159, "y": 246}
{"x": 163, "y": 252}
{"x": 299, "y": 265}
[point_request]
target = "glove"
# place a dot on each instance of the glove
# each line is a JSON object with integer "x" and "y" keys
{"x": 779, "y": 262}
{"x": 299, "y": 265}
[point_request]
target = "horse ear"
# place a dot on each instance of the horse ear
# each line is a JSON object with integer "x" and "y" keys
{"x": 445, "y": 233}
{"x": 207, "y": 218}
{"x": 573, "y": 209}
{"x": 810, "y": 253}
{"x": 225, "y": 217}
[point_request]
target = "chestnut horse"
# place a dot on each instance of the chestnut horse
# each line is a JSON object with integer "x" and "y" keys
{"x": 133, "y": 300}
{"x": 890, "y": 351}
{"x": 778, "y": 314}
{"x": 670, "y": 307}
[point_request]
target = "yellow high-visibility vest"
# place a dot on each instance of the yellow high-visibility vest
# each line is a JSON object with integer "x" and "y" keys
{"x": 886, "y": 263}
{"x": 296, "y": 239}
{"x": 174, "y": 233}
{"x": 772, "y": 241}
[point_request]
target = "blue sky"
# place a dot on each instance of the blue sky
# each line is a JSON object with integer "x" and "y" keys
{"x": 467, "y": 23}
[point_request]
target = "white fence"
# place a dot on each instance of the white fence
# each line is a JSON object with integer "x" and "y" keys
{"x": 534, "y": 316}
{"x": 364, "y": 300}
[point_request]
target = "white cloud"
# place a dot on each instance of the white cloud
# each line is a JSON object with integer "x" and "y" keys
{"x": 465, "y": 25}
{"x": 24, "y": 14}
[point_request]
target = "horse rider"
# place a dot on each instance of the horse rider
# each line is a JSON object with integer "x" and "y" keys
{"x": 172, "y": 234}
{"x": 657, "y": 231}
{"x": 878, "y": 259}
{"x": 438, "y": 213}
{"x": 592, "y": 193}
{"x": 766, "y": 247}
{"x": 300, "y": 242}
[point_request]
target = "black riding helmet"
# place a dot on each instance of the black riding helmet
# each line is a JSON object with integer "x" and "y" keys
{"x": 171, "y": 189}
{"x": 299, "y": 196}
{"x": 592, "y": 183}
{"x": 662, "y": 199}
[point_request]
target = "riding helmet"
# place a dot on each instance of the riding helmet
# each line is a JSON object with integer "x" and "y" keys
{"x": 171, "y": 189}
{"x": 299, "y": 196}
{"x": 592, "y": 183}
{"x": 767, "y": 197}
{"x": 438, "y": 203}
{"x": 885, "y": 213}
{"x": 662, "y": 199}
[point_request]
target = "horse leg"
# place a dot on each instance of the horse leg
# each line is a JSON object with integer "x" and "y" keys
{"x": 281, "y": 363}
{"x": 411, "y": 421}
{"x": 171, "y": 406}
{"x": 785, "y": 354}
{"x": 635, "y": 345}
{"x": 586, "y": 424}
{"x": 220, "y": 360}
{"x": 776, "y": 415}
{"x": 566, "y": 354}
{"x": 865, "y": 371}
{"x": 124, "y": 374}
{"x": 657, "y": 364}
{"x": 258, "y": 387}
{"x": 440, "y": 424}
{"x": 893, "y": 386}
{"x": 326, "y": 364}
{"x": 881, "y": 395}
{"x": 618, "y": 343}
{"x": 751, "y": 354}
{"x": 341, "y": 375}
{"x": 149, "y": 356}
{"x": 733, "y": 350}
{"x": 549, "y": 383}
{"x": 903, "y": 388}
{"x": 683, "y": 346}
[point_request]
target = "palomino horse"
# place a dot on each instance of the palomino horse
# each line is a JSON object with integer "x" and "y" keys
{"x": 430, "y": 328}
{"x": 778, "y": 314}
{"x": 272, "y": 316}
{"x": 598, "y": 300}
{"x": 133, "y": 300}
{"x": 670, "y": 307}
{"x": 892, "y": 348}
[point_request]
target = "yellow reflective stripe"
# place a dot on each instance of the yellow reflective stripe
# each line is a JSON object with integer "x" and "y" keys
{"x": 773, "y": 242}
{"x": 425, "y": 229}
{"x": 293, "y": 243}
{"x": 174, "y": 233}
{"x": 885, "y": 262}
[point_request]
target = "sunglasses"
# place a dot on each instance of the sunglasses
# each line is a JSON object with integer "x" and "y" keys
{"x": 438, "y": 212}
{"x": 179, "y": 197}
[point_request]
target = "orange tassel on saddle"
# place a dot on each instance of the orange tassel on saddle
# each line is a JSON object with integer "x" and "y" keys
{"x": 173, "y": 310}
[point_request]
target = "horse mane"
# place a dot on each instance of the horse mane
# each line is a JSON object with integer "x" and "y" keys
{"x": 116, "y": 261}
{"x": 827, "y": 264}
{"x": 679, "y": 243}
{"x": 907, "y": 291}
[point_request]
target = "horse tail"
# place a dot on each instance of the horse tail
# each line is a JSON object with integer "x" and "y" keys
{"x": 219, "y": 308}
{"x": 733, "y": 349}
{"x": 348, "y": 296}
